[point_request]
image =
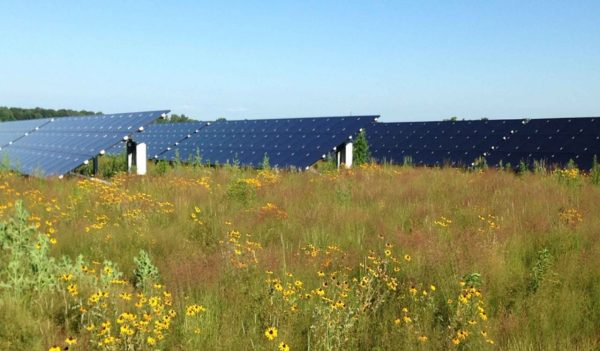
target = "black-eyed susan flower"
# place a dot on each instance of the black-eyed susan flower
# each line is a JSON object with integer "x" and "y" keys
{"x": 125, "y": 296}
{"x": 54, "y": 348}
{"x": 271, "y": 333}
{"x": 283, "y": 346}
{"x": 71, "y": 340}
{"x": 72, "y": 289}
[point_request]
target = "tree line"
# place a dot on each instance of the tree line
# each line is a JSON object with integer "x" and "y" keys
{"x": 21, "y": 114}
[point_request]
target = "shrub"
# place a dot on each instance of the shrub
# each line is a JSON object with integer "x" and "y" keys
{"x": 361, "y": 153}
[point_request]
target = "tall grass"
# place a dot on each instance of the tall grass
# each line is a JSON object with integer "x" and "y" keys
{"x": 404, "y": 257}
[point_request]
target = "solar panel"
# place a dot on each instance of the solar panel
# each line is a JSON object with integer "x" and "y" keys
{"x": 556, "y": 141}
{"x": 288, "y": 142}
{"x": 161, "y": 137}
{"x": 437, "y": 143}
{"x": 14, "y": 130}
{"x": 65, "y": 143}
{"x": 553, "y": 140}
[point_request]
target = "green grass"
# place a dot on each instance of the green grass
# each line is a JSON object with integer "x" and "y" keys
{"x": 532, "y": 238}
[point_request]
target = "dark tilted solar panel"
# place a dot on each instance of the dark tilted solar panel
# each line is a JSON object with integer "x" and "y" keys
{"x": 289, "y": 142}
{"x": 161, "y": 137}
{"x": 437, "y": 143}
{"x": 14, "y": 130}
{"x": 553, "y": 140}
{"x": 65, "y": 143}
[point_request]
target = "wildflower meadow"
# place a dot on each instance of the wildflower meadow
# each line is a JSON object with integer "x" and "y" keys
{"x": 374, "y": 258}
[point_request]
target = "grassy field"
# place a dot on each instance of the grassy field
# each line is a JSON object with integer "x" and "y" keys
{"x": 377, "y": 258}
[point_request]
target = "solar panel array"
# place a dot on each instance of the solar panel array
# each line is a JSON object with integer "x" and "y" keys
{"x": 289, "y": 142}
{"x": 14, "y": 130}
{"x": 62, "y": 144}
{"x": 56, "y": 146}
{"x": 162, "y": 137}
{"x": 555, "y": 141}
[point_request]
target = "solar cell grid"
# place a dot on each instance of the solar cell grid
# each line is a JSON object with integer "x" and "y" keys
{"x": 288, "y": 142}
{"x": 63, "y": 144}
{"x": 13, "y": 130}
{"x": 435, "y": 143}
{"x": 555, "y": 141}
{"x": 159, "y": 137}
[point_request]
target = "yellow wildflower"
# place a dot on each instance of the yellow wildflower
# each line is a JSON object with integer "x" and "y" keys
{"x": 71, "y": 340}
{"x": 271, "y": 333}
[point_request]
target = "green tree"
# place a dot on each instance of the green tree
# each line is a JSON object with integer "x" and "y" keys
{"x": 175, "y": 118}
{"x": 19, "y": 114}
{"x": 361, "y": 153}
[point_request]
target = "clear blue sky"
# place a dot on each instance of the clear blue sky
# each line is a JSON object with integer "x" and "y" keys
{"x": 412, "y": 60}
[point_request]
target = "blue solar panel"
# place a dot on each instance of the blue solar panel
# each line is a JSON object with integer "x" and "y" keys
{"x": 161, "y": 137}
{"x": 554, "y": 140}
{"x": 437, "y": 143}
{"x": 289, "y": 142}
{"x": 14, "y": 130}
{"x": 65, "y": 143}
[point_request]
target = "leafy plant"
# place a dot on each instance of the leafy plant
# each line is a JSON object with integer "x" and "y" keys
{"x": 145, "y": 273}
{"x": 161, "y": 167}
{"x": 595, "y": 172}
{"x": 265, "y": 162}
{"x": 361, "y": 153}
{"x": 241, "y": 190}
{"x": 26, "y": 265}
{"x": 522, "y": 168}
{"x": 540, "y": 269}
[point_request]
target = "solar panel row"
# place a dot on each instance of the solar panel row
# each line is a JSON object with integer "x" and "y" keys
{"x": 555, "y": 141}
{"x": 290, "y": 142}
{"x": 161, "y": 137}
{"x": 56, "y": 146}
{"x": 62, "y": 144}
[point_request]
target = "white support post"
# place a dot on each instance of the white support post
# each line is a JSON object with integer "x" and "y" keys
{"x": 140, "y": 159}
{"x": 348, "y": 154}
{"x": 338, "y": 154}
